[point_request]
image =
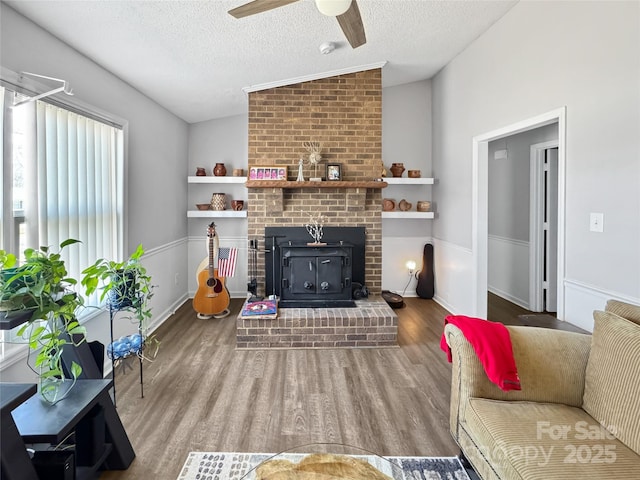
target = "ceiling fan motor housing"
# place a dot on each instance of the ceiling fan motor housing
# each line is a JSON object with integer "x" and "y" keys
{"x": 327, "y": 47}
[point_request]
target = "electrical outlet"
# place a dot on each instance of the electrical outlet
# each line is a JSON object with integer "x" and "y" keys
{"x": 596, "y": 222}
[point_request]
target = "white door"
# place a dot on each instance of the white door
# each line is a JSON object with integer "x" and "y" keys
{"x": 551, "y": 231}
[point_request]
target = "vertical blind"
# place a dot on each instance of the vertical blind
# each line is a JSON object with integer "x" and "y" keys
{"x": 73, "y": 187}
{"x": 69, "y": 185}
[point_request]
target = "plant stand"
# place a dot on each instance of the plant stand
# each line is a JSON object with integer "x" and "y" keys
{"x": 138, "y": 352}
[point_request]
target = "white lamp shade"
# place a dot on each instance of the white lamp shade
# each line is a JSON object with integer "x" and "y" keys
{"x": 333, "y": 8}
{"x": 411, "y": 265}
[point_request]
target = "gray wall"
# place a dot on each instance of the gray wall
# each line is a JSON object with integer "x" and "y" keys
{"x": 406, "y": 137}
{"x": 582, "y": 55}
{"x": 509, "y": 182}
{"x": 220, "y": 140}
{"x": 155, "y": 171}
{"x": 406, "y": 126}
{"x": 157, "y": 138}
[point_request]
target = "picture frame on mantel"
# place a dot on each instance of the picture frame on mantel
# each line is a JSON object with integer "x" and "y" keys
{"x": 268, "y": 172}
{"x": 334, "y": 172}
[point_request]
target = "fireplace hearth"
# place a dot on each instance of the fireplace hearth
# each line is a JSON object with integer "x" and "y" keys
{"x": 308, "y": 275}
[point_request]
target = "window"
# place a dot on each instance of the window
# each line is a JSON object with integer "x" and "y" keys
{"x": 62, "y": 177}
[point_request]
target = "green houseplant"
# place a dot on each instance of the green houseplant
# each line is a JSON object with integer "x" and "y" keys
{"x": 125, "y": 285}
{"x": 40, "y": 291}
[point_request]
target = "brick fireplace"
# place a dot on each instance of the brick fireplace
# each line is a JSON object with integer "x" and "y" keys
{"x": 344, "y": 114}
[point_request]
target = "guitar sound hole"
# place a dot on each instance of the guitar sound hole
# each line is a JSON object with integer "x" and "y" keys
{"x": 213, "y": 282}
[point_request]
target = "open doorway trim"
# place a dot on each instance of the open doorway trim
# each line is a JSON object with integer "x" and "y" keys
{"x": 536, "y": 230}
{"x": 480, "y": 206}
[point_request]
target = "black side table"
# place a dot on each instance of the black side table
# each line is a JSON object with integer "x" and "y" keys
{"x": 40, "y": 422}
{"x": 14, "y": 460}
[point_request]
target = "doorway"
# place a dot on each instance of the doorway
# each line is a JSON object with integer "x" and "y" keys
{"x": 480, "y": 208}
{"x": 543, "y": 229}
{"x": 522, "y": 218}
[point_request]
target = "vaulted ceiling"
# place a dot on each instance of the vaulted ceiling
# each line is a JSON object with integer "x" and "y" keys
{"x": 194, "y": 58}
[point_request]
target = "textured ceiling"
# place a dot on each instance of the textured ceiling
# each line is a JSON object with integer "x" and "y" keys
{"x": 194, "y": 58}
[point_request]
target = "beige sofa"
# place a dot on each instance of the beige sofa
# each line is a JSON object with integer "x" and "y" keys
{"x": 573, "y": 386}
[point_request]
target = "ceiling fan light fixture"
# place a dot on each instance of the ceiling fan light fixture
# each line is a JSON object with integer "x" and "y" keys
{"x": 327, "y": 47}
{"x": 333, "y": 8}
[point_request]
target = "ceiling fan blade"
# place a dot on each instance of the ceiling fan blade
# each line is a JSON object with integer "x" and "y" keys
{"x": 351, "y": 24}
{"x": 258, "y": 6}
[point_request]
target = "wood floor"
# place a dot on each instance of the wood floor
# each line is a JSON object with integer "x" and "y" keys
{"x": 203, "y": 395}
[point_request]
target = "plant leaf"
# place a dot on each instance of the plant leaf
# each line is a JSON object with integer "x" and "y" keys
{"x": 76, "y": 370}
{"x": 69, "y": 241}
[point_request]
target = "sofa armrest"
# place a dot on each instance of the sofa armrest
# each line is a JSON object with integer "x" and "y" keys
{"x": 551, "y": 365}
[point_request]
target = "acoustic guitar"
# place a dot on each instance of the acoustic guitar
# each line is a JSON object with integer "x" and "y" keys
{"x": 212, "y": 296}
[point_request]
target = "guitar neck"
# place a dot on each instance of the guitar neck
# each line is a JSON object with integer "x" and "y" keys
{"x": 210, "y": 256}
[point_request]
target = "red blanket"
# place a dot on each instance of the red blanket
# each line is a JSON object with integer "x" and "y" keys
{"x": 492, "y": 344}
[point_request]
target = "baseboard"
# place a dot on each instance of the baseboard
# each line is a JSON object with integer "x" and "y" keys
{"x": 581, "y": 299}
{"x": 510, "y": 298}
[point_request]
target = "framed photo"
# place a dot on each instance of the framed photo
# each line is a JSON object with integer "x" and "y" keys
{"x": 268, "y": 173}
{"x": 334, "y": 172}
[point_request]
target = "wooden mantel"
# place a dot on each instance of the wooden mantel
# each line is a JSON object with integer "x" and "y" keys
{"x": 286, "y": 184}
{"x": 272, "y": 191}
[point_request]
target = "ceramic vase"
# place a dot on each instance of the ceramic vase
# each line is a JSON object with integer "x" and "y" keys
{"x": 219, "y": 170}
{"x": 397, "y": 169}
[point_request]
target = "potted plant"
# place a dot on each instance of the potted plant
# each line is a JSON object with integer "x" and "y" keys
{"x": 39, "y": 291}
{"x": 125, "y": 285}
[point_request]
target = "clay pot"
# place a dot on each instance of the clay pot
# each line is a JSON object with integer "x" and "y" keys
{"x": 413, "y": 173}
{"x": 200, "y": 172}
{"x": 237, "y": 205}
{"x": 218, "y": 201}
{"x": 404, "y": 205}
{"x": 423, "y": 206}
{"x": 238, "y": 172}
{"x": 219, "y": 170}
{"x": 388, "y": 205}
{"x": 397, "y": 169}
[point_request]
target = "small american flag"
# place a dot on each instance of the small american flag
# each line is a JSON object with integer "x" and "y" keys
{"x": 227, "y": 262}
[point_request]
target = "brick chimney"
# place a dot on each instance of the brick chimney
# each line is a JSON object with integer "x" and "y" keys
{"x": 344, "y": 114}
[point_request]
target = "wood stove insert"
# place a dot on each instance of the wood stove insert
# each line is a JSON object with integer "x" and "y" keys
{"x": 305, "y": 275}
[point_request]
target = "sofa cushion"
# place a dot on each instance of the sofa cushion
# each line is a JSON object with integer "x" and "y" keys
{"x": 545, "y": 441}
{"x": 624, "y": 310}
{"x": 612, "y": 389}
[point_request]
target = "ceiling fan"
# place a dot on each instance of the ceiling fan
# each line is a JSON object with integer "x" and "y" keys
{"x": 346, "y": 11}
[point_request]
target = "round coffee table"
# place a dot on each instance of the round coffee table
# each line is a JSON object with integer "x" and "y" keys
{"x": 325, "y": 461}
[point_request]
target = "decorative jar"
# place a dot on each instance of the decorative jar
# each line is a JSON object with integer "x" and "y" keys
{"x": 219, "y": 170}
{"x": 218, "y": 201}
{"x": 388, "y": 205}
{"x": 397, "y": 169}
{"x": 423, "y": 206}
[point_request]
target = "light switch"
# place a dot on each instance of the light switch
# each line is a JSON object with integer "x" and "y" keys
{"x": 596, "y": 222}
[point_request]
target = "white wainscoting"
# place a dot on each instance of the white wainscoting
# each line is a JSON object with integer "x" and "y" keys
{"x": 198, "y": 251}
{"x": 167, "y": 266}
{"x": 582, "y": 299}
{"x": 509, "y": 269}
{"x": 163, "y": 263}
{"x": 454, "y": 280}
{"x": 396, "y": 252}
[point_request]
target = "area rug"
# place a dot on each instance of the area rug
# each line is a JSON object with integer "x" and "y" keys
{"x": 238, "y": 466}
